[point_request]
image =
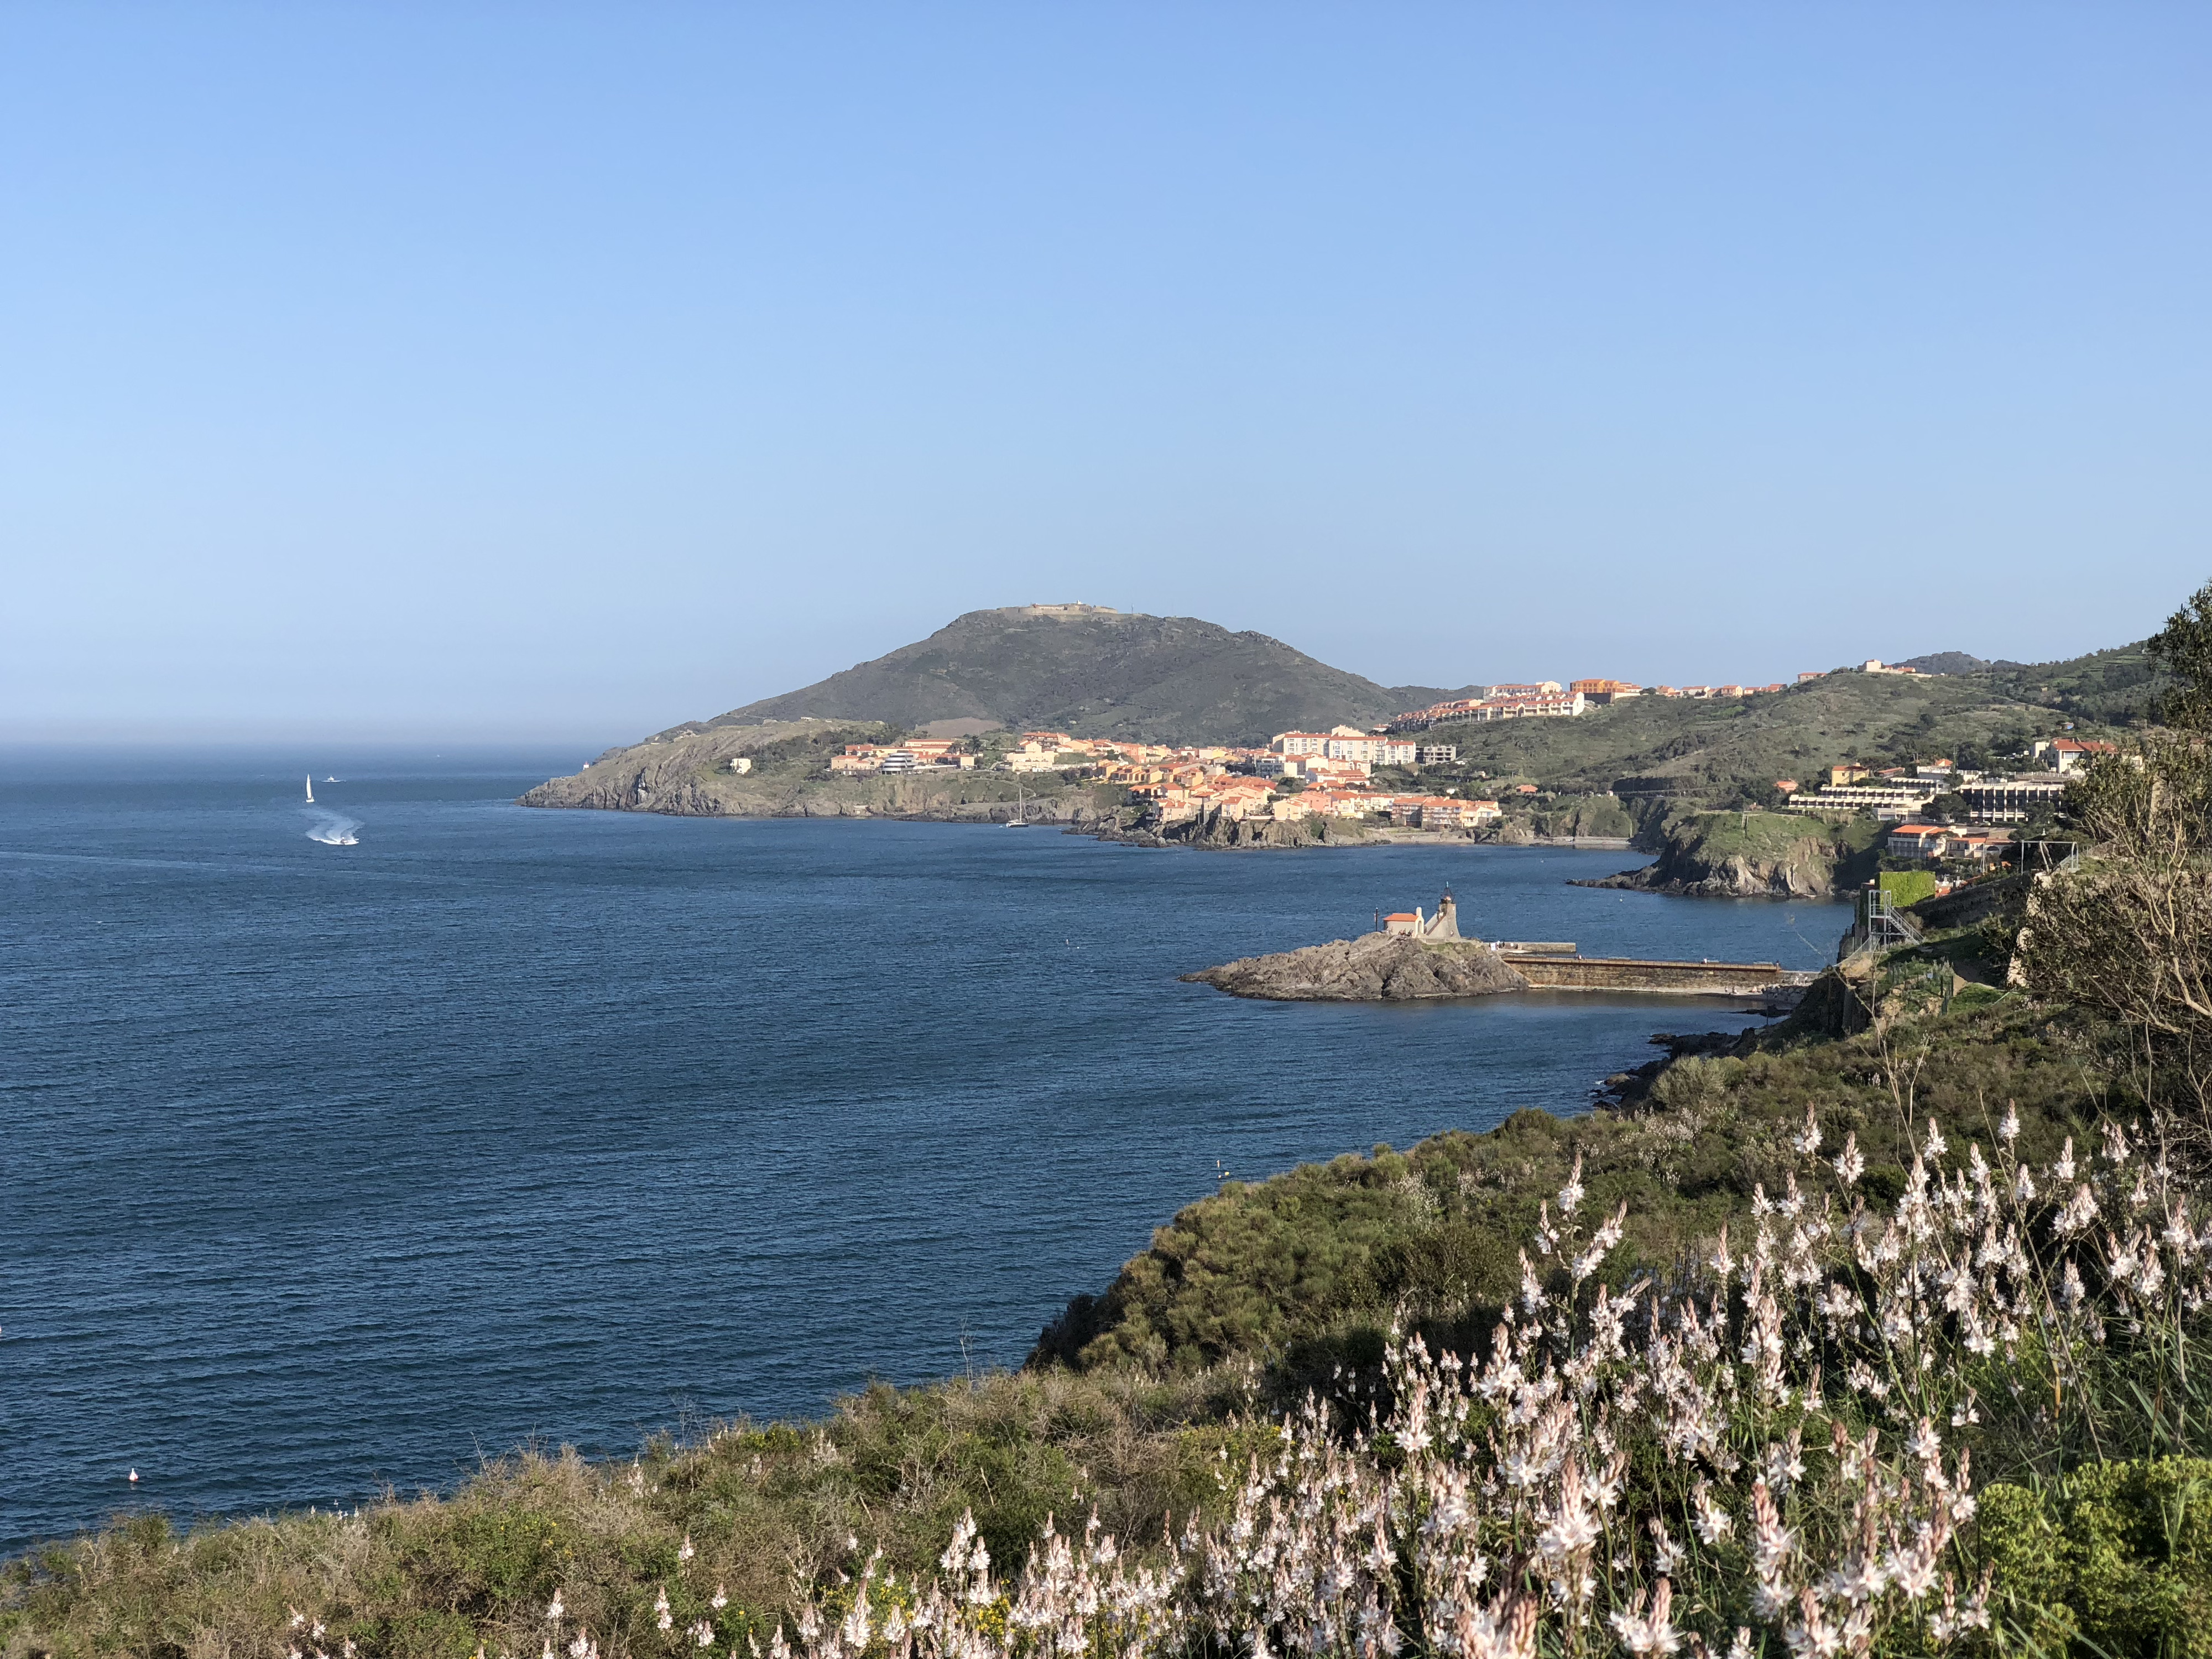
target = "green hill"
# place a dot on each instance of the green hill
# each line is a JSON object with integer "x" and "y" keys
{"x": 1726, "y": 750}
{"x": 1094, "y": 673}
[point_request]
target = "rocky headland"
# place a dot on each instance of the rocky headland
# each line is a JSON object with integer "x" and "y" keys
{"x": 1373, "y": 968}
{"x": 1748, "y": 855}
{"x": 778, "y": 769}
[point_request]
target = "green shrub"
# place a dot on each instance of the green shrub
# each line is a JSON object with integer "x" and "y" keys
{"x": 2115, "y": 1559}
{"x": 423, "y": 1633}
{"x": 1906, "y": 887}
{"x": 488, "y": 1561}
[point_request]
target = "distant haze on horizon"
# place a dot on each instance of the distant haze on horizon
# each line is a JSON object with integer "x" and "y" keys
{"x": 476, "y": 371}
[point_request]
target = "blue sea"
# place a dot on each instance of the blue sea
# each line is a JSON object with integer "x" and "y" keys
{"x": 326, "y": 1166}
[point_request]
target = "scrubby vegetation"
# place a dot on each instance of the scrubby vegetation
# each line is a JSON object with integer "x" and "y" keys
{"x": 1583, "y": 815}
{"x": 759, "y": 1515}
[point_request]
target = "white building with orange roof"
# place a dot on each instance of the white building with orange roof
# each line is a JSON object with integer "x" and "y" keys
{"x": 1411, "y": 923}
{"x": 1234, "y": 797}
{"x": 859, "y": 757}
{"x": 1455, "y": 813}
{"x": 1345, "y": 743}
{"x": 1534, "y": 705}
{"x": 1605, "y": 692}
{"x": 1916, "y": 841}
{"x": 1049, "y": 751}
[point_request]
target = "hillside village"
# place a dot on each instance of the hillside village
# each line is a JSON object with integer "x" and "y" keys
{"x": 1933, "y": 813}
{"x": 1297, "y": 775}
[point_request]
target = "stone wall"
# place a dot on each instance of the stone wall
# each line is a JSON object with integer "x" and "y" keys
{"x": 1725, "y": 979}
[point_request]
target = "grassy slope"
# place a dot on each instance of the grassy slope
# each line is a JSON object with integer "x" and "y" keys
{"x": 2110, "y": 688}
{"x": 769, "y": 1512}
{"x": 1759, "y": 835}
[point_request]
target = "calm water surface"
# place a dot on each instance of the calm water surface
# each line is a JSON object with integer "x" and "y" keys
{"x": 328, "y": 1165}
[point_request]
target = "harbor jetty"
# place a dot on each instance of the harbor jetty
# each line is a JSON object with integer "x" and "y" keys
{"x": 1418, "y": 957}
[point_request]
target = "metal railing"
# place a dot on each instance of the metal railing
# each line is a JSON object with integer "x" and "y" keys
{"x": 1876, "y": 925}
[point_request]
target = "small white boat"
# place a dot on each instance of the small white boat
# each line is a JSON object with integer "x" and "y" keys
{"x": 311, "y": 789}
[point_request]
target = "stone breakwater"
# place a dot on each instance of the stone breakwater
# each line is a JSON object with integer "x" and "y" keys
{"x": 1373, "y": 968}
{"x": 1399, "y": 968}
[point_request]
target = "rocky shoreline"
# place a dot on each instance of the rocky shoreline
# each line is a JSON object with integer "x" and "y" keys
{"x": 1373, "y": 968}
{"x": 1215, "y": 831}
{"x": 1748, "y": 855}
{"x": 1734, "y": 883}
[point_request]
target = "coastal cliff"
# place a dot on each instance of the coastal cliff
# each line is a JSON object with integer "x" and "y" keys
{"x": 1216, "y": 831}
{"x": 1373, "y": 968}
{"x": 690, "y": 774}
{"x": 1748, "y": 856}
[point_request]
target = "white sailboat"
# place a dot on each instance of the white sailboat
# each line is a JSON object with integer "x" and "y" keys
{"x": 311, "y": 789}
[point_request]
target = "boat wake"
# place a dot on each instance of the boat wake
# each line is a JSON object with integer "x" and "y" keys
{"x": 332, "y": 830}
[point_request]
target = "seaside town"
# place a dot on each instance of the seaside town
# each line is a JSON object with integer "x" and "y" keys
{"x": 1299, "y": 773}
{"x": 1332, "y": 775}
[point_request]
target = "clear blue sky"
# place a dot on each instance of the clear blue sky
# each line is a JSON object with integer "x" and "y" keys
{"x": 536, "y": 369}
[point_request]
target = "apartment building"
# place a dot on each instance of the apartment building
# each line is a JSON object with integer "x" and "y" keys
{"x": 1937, "y": 840}
{"x": 1534, "y": 705}
{"x": 1915, "y": 841}
{"x": 1346, "y": 742}
{"x": 1600, "y": 692}
{"x": 870, "y": 758}
{"x": 1449, "y": 812}
{"x": 1890, "y": 799}
{"x": 1535, "y": 689}
{"x": 2010, "y": 801}
{"x": 2070, "y": 754}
